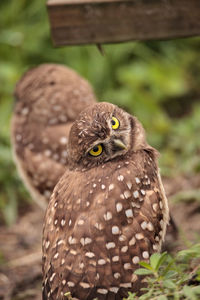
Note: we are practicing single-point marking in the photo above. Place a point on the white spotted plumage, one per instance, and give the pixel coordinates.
(124, 222)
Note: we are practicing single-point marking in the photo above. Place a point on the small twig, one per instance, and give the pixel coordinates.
(101, 50)
(193, 272)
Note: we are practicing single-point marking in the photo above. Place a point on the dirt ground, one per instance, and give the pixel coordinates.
(20, 245)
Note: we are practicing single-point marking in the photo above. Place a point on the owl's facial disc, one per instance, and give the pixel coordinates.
(101, 133)
(115, 143)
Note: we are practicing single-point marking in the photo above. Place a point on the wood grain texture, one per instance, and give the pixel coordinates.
(109, 21)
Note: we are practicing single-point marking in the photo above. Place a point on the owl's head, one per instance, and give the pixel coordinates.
(104, 132)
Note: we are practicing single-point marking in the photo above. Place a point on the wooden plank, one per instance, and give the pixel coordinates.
(109, 21)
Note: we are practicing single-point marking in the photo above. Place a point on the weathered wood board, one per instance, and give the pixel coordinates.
(109, 21)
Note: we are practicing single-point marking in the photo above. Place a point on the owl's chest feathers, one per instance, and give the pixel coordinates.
(116, 191)
(122, 209)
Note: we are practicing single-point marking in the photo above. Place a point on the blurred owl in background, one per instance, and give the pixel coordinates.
(107, 212)
(48, 100)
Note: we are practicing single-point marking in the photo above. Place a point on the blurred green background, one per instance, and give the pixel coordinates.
(158, 81)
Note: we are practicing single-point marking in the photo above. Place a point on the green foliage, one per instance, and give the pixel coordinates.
(11, 189)
(169, 278)
(158, 81)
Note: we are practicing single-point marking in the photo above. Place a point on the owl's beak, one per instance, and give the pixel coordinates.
(119, 144)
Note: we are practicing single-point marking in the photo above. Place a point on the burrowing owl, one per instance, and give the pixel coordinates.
(48, 100)
(107, 212)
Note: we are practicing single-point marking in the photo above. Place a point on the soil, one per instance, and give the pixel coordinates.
(20, 245)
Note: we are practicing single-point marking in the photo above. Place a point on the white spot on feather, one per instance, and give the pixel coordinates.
(150, 226)
(101, 262)
(25, 111)
(52, 277)
(135, 194)
(145, 254)
(155, 207)
(129, 185)
(137, 180)
(132, 242)
(115, 230)
(129, 213)
(111, 187)
(63, 222)
(120, 177)
(124, 249)
(90, 254)
(110, 245)
(102, 291)
(119, 207)
(84, 285)
(135, 260)
(126, 285)
(117, 275)
(107, 216)
(139, 236)
(127, 266)
(114, 289)
(144, 225)
(47, 244)
(127, 194)
(81, 222)
(115, 258)
(71, 240)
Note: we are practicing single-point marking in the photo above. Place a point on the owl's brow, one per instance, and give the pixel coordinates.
(99, 123)
(83, 131)
(102, 115)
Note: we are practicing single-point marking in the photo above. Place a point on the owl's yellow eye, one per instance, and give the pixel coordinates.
(96, 150)
(115, 123)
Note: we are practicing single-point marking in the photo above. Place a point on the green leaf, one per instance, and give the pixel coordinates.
(154, 260)
(68, 295)
(131, 296)
(197, 290)
(193, 251)
(169, 284)
(188, 292)
(146, 265)
(169, 269)
(143, 272)
(170, 274)
(161, 260)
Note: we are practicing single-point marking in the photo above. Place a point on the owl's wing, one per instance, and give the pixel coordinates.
(48, 100)
(40, 174)
(97, 231)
